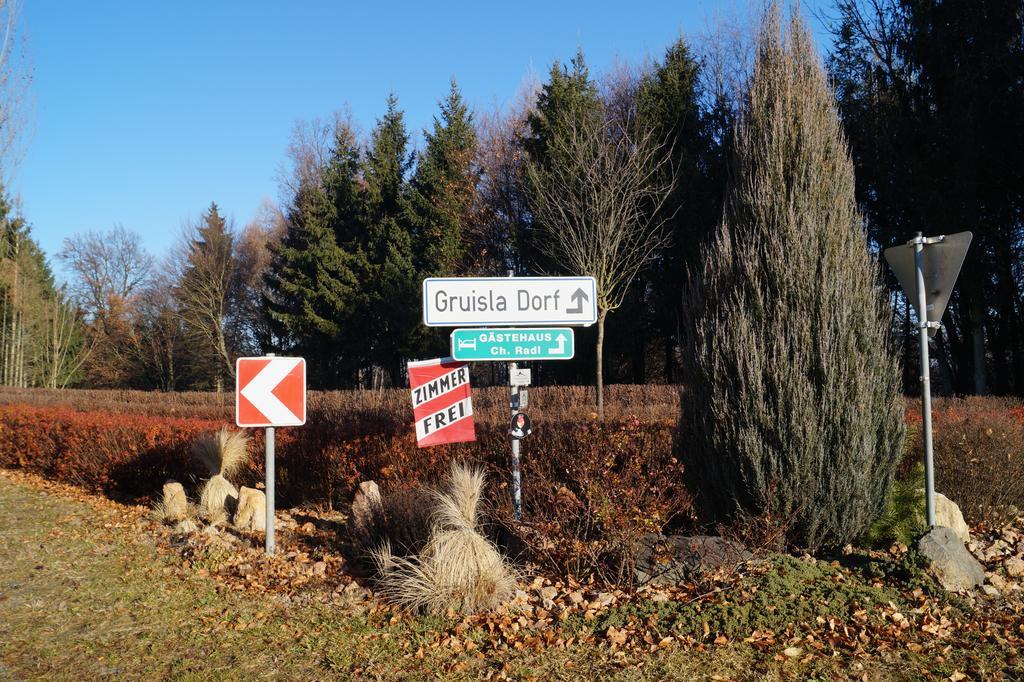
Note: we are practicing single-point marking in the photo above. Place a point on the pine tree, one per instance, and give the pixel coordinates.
(319, 270)
(41, 334)
(393, 287)
(204, 294)
(932, 95)
(444, 187)
(668, 105)
(569, 93)
(791, 407)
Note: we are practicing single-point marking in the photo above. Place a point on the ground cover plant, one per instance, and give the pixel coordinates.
(94, 588)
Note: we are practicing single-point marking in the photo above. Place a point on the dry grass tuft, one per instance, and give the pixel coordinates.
(219, 496)
(223, 453)
(458, 568)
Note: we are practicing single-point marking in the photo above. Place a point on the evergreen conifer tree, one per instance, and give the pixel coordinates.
(319, 271)
(204, 293)
(393, 288)
(791, 408)
(443, 188)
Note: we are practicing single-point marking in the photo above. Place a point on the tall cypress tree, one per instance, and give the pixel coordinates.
(791, 408)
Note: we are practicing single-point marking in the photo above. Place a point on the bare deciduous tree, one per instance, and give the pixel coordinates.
(65, 348)
(250, 326)
(110, 268)
(15, 78)
(501, 213)
(599, 200)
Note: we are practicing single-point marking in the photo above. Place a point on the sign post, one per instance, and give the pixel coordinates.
(922, 275)
(270, 392)
(269, 487)
(502, 302)
(517, 483)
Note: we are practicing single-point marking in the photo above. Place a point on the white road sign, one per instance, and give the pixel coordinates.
(485, 301)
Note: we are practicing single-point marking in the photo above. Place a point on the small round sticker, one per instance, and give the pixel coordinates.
(520, 427)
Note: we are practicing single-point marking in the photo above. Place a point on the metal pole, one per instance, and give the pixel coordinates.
(269, 467)
(270, 489)
(517, 487)
(926, 389)
(517, 484)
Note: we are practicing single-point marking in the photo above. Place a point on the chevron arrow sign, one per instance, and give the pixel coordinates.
(270, 391)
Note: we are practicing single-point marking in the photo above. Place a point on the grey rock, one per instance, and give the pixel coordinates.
(949, 561)
(667, 560)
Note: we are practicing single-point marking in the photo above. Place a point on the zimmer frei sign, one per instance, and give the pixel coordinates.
(441, 402)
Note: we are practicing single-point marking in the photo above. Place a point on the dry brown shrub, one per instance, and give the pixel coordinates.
(593, 494)
(979, 456)
(375, 410)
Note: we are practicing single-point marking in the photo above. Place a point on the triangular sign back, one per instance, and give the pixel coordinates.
(942, 263)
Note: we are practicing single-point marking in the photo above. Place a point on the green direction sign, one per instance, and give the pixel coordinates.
(512, 344)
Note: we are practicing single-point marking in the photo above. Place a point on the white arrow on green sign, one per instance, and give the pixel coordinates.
(513, 344)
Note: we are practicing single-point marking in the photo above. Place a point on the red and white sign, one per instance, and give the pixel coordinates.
(270, 391)
(441, 402)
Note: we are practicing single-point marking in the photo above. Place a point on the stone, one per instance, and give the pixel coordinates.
(990, 591)
(949, 561)
(367, 506)
(1014, 567)
(948, 515)
(674, 559)
(186, 526)
(251, 513)
(548, 593)
(174, 503)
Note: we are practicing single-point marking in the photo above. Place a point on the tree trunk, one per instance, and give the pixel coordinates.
(978, 343)
(600, 364)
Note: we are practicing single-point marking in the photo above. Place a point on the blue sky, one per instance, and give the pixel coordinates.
(145, 112)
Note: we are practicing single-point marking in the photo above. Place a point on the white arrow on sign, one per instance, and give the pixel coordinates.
(259, 391)
(560, 346)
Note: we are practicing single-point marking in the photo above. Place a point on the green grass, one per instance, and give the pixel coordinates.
(79, 601)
